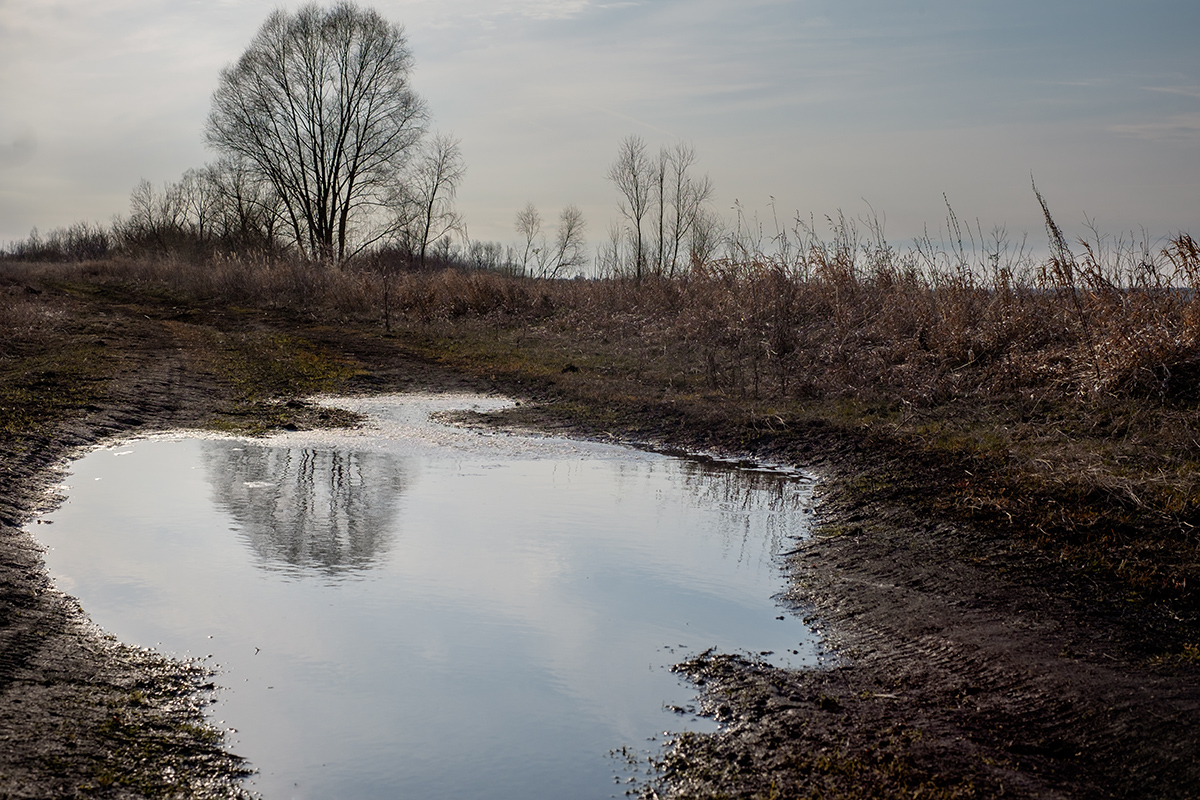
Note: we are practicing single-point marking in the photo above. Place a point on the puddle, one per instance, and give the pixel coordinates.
(417, 609)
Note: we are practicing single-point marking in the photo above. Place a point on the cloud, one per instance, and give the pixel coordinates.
(549, 9)
(1176, 128)
(18, 148)
(1187, 91)
(488, 13)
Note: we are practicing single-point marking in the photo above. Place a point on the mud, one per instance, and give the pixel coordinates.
(965, 664)
(82, 715)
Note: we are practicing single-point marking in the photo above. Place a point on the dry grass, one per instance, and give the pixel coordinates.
(832, 322)
(838, 320)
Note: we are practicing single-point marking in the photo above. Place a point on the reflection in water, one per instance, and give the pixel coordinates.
(734, 488)
(762, 509)
(304, 508)
(525, 600)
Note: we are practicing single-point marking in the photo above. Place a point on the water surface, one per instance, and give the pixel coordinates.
(421, 610)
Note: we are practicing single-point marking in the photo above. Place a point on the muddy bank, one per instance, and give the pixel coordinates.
(951, 681)
(80, 714)
(970, 663)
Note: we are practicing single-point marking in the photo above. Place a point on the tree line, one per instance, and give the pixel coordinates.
(324, 152)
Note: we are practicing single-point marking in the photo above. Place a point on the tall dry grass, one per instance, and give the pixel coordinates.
(840, 318)
(845, 315)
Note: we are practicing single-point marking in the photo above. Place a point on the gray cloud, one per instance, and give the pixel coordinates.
(1175, 128)
(1186, 91)
(18, 148)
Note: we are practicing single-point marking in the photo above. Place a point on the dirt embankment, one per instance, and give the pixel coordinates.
(969, 663)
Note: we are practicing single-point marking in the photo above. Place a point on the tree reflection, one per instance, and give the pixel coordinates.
(321, 510)
(736, 488)
(758, 504)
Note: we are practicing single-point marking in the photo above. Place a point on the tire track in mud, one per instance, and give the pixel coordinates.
(1023, 692)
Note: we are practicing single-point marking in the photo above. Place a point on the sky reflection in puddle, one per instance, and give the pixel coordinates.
(416, 609)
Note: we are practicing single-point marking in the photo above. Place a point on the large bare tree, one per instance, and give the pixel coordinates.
(321, 106)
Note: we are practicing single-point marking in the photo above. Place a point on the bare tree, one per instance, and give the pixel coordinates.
(320, 105)
(529, 225)
(665, 189)
(569, 243)
(491, 256)
(705, 238)
(249, 211)
(427, 212)
(685, 198)
(222, 204)
(157, 219)
(632, 175)
(659, 179)
(198, 199)
(142, 208)
(609, 262)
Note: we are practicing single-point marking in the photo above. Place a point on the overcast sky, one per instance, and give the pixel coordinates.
(820, 104)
